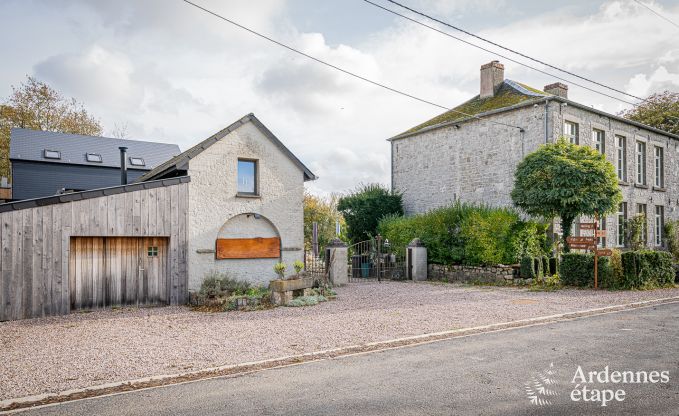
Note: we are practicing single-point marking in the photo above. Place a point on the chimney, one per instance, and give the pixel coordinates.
(558, 89)
(492, 76)
(123, 165)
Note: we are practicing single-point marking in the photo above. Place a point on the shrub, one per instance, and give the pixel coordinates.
(615, 279)
(646, 269)
(539, 271)
(468, 234)
(365, 207)
(635, 234)
(577, 269)
(306, 301)
(671, 234)
(527, 270)
(216, 284)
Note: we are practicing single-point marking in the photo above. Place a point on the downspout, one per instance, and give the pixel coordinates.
(546, 115)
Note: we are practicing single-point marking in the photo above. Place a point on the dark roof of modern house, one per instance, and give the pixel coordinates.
(180, 162)
(30, 145)
(91, 193)
(510, 96)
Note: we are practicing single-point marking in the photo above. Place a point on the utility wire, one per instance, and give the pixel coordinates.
(290, 48)
(657, 13)
(505, 48)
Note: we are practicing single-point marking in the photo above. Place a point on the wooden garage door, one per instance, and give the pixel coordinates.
(108, 271)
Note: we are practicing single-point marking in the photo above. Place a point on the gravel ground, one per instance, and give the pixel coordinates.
(84, 349)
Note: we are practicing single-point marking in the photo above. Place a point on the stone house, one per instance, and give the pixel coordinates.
(470, 153)
(232, 203)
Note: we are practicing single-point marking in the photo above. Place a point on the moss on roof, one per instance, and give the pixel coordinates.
(506, 96)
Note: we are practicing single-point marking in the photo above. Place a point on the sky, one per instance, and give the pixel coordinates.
(172, 73)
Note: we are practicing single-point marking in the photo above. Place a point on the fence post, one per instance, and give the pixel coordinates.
(416, 260)
(338, 270)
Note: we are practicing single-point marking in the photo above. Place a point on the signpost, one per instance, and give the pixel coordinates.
(590, 243)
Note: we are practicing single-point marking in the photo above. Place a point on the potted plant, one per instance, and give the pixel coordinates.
(299, 266)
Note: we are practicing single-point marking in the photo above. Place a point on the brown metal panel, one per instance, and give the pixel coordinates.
(248, 248)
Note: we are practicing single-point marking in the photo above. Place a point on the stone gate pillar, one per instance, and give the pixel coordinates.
(416, 260)
(336, 261)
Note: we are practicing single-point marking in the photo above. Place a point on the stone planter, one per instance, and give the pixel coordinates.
(283, 291)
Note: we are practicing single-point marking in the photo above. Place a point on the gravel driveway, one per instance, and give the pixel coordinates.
(84, 349)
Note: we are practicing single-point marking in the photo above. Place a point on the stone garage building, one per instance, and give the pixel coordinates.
(232, 203)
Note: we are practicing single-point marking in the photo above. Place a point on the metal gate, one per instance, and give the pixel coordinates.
(376, 259)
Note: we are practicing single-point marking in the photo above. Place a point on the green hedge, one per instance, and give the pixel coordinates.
(647, 268)
(577, 269)
(468, 234)
(537, 267)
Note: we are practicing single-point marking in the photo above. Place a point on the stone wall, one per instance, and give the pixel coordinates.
(476, 274)
(216, 211)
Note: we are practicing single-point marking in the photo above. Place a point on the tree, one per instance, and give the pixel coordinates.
(566, 180)
(659, 110)
(322, 211)
(35, 105)
(363, 208)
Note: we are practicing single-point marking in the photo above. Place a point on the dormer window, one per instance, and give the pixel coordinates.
(52, 154)
(137, 161)
(93, 157)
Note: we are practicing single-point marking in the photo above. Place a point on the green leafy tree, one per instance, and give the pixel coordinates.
(659, 110)
(322, 211)
(566, 180)
(35, 105)
(364, 207)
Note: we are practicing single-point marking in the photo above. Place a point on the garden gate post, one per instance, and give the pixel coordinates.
(337, 262)
(416, 260)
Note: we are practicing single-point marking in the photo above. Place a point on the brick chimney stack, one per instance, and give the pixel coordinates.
(492, 77)
(559, 89)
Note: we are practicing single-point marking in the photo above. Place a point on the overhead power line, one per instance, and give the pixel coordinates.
(657, 13)
(384, 86)
(501, 55)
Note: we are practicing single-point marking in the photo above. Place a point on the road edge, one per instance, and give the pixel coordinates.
(11, 405)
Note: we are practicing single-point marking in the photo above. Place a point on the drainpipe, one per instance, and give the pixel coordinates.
(123, 165)
(546, 115)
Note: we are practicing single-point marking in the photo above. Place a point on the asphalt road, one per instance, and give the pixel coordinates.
(481, 374)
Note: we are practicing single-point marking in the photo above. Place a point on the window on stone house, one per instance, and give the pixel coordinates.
(641, 163)
(570, 130)
(247, 177)
(601, 226)
(621, 158)
(659, 167)
(622, 219)
(641, 210)
(659, 224)
(599, 141)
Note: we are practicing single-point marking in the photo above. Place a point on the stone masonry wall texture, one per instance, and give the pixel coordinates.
(213, 202)
(476, 162)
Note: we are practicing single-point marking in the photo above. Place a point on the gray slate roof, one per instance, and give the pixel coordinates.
(181, 161)
(29, 145)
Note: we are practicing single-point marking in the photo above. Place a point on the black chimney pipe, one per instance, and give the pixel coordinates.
(123, 165)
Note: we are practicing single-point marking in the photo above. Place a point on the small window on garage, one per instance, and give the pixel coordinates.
(247, 177)
(137, 161)
(52, 154)
(152, 251)
(93, 157)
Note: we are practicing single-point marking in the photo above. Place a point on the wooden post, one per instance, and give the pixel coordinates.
(596, 256)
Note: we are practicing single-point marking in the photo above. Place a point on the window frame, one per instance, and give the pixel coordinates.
(643, 209)
(573, 137)
(659, 224)
(131, 158)
(601, 226)
(152, 251)
(640, 151)
(599, 139)
(659, 166)
(45, 153)
(255, 163)
(87, 158)
(622, 226)
(621, 157)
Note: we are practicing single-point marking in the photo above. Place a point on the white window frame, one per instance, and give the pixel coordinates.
(141, 162)
(643, 209)
(641, 162)
(659, 224)
(622, 219)
(621, 157)
(571, 131)
(659, 163)
(599, 139)
(51, 154)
